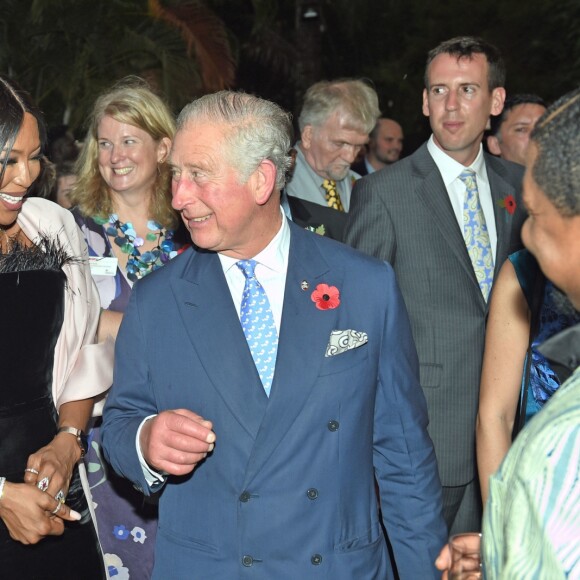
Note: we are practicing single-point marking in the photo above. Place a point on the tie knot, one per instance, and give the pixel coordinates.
(329, 184)
(466, 175)
(247, 267)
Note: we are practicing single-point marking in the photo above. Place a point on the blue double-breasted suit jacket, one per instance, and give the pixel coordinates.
(288, 491)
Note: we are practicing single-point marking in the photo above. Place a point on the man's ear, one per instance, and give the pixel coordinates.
(264, 181)
(306, 137)
(425, 103)
(497, 100)
(493, 145)
(163, 149)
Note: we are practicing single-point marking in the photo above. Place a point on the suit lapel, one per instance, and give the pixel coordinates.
(304, 335)
(206, 307)
(433, 193)
(500, 189)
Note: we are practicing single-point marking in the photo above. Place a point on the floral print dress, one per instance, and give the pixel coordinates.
(126, 519)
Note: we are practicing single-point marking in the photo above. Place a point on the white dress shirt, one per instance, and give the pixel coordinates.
(370, 168)
(450, 171)
(271, 270)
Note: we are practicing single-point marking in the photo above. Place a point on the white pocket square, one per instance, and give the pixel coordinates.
(343, 340)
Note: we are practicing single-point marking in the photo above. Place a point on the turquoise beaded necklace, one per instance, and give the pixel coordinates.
(124, 235)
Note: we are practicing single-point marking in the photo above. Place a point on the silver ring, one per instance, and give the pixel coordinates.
(31, 470)
(60, 496)
(56, 509)
(43, 484)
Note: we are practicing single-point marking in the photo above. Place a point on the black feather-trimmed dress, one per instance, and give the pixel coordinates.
(32, 290)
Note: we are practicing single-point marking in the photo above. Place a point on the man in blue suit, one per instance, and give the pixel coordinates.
(269, 473)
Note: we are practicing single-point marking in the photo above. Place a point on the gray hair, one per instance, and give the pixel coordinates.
(557, 166)
(257, 130)
(353, 98)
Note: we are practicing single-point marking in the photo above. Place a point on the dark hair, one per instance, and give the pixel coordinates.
(512, 101)
(375, 131)
(14, 103)
(62, 169)
(466, 47)
(63, 149)
(557, 166)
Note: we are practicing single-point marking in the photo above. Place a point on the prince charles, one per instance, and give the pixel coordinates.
(266, 377)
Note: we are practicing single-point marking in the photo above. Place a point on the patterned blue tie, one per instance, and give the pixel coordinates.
(258, 324)
(476, 235)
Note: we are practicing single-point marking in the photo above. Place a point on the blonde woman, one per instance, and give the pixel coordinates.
(122, 202)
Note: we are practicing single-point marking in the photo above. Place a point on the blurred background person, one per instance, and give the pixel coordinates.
(62, 145)
(65, 179)
(49, 320)
(122, 204)
(335, 122)
(509, 133)
(384, 147)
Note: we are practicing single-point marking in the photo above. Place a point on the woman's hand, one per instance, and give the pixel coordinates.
(51, 467)
(30, 514)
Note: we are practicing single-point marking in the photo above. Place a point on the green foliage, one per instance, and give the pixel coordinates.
(66, 51)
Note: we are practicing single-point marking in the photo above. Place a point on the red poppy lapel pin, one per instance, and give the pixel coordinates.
(326, 297)
(508, 203)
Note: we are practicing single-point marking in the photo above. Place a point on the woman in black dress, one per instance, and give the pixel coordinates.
(50, 370)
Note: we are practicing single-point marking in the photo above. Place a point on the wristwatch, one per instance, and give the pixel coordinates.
(81, 437)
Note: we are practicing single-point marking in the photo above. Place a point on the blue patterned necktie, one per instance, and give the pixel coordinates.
(258, 324)
(476, 235)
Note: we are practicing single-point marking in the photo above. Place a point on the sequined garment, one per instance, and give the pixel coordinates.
(556, 314)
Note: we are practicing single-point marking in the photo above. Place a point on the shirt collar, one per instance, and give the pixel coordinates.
(274, 256)
(450, 169)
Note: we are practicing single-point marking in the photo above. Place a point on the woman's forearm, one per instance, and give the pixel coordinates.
(109, 323)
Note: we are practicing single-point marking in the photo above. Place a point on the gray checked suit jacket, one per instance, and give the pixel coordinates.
(402, 214)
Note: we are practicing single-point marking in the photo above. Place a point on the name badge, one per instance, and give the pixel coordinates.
(103, 266)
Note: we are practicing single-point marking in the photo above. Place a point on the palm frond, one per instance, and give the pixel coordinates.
(205, 35)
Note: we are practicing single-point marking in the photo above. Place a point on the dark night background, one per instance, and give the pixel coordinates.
(66, 51)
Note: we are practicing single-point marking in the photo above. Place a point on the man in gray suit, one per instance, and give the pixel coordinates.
(446, 218)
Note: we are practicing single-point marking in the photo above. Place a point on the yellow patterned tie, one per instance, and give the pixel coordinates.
(332, 195)
(476, 234)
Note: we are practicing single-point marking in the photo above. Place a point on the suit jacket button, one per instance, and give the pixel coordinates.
(333, 425)
(316, 560)
(247, 561)
(245, 496)
(312, 493)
